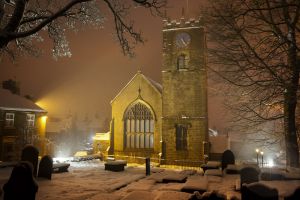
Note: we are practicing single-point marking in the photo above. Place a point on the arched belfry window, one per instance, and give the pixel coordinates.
(181, 61)
(139, 127)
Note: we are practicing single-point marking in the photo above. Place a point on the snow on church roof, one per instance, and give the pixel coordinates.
(155, 84)
(9, 101)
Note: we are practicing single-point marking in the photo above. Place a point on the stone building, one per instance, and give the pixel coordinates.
(21, 122)
(167, 121)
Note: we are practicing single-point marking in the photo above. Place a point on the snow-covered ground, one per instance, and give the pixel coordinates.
(89, 181)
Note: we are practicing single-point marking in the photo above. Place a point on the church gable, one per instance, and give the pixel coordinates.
(136, 83)
(136, 112)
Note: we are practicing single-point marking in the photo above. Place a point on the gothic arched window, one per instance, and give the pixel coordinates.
(139, 127)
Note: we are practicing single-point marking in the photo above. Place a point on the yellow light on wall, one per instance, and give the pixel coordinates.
(41, 130)
(44, 119)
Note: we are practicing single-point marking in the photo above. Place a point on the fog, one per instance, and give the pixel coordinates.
(84, 84)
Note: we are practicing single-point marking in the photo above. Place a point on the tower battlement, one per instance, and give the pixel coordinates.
(173, 24)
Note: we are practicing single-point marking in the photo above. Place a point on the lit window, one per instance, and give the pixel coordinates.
(140, 120)
(142, 126)
(151, 141)
(181, 137)
(151, 126)
(30, 120)
(137, 127)
(9, 119)
(132, 126)
(128, 125)
(147, 126)
(132, 141)
(147, 141)
(128, 139)
(142, 141)
(137, 140)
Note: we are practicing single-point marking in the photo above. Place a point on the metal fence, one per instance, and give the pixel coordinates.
(163, 163)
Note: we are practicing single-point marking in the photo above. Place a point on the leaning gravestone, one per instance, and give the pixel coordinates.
(249, 175)
(31, 154)
(227, 158)
(46, 167)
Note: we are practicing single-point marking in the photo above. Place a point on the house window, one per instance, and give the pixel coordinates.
(181, 62)
(139, 124)
(30, 120)
(9, 119)
(181, 137)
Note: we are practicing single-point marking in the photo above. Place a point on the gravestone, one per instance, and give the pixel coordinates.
(46, 167)
(258, 191)
(227, 158)
(294, 196)
(31, 154)
(249, 175)
(116, 165)
(21, 183)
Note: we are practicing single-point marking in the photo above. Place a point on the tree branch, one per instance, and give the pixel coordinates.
(47, 20)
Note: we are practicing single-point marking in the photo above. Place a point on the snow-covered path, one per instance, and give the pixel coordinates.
(86, 180)
(89, 181)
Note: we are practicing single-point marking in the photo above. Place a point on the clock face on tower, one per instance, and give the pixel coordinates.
(182, 40)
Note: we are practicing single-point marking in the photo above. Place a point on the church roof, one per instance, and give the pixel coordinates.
(157, 86)
(9, 101)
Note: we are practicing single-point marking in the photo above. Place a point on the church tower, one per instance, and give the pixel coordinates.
(184, 97)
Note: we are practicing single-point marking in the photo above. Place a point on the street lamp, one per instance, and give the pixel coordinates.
(262, 158)
(257, 152)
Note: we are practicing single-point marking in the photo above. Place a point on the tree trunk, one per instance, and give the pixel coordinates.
(292, 150)
(290, 103)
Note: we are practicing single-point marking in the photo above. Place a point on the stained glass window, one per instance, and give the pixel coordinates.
(141, 122)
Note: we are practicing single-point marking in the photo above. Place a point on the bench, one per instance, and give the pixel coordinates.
(60, 167)
(115, 165)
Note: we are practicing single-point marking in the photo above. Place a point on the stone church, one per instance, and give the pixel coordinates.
(166, 121)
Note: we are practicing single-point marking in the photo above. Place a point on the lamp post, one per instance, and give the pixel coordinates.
(257, 152)
(262, 158)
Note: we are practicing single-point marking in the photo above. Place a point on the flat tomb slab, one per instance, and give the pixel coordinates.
(116, 165)
(213, 172)
(195, 183)
(60, 167)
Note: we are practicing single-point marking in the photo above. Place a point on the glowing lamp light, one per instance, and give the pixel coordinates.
(262, 153)
(271, 162)
(257, 150)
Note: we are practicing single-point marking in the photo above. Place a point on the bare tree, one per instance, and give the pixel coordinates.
(22, 20)
(255, 48)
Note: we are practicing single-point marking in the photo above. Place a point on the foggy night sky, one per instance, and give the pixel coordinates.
(86, 82)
